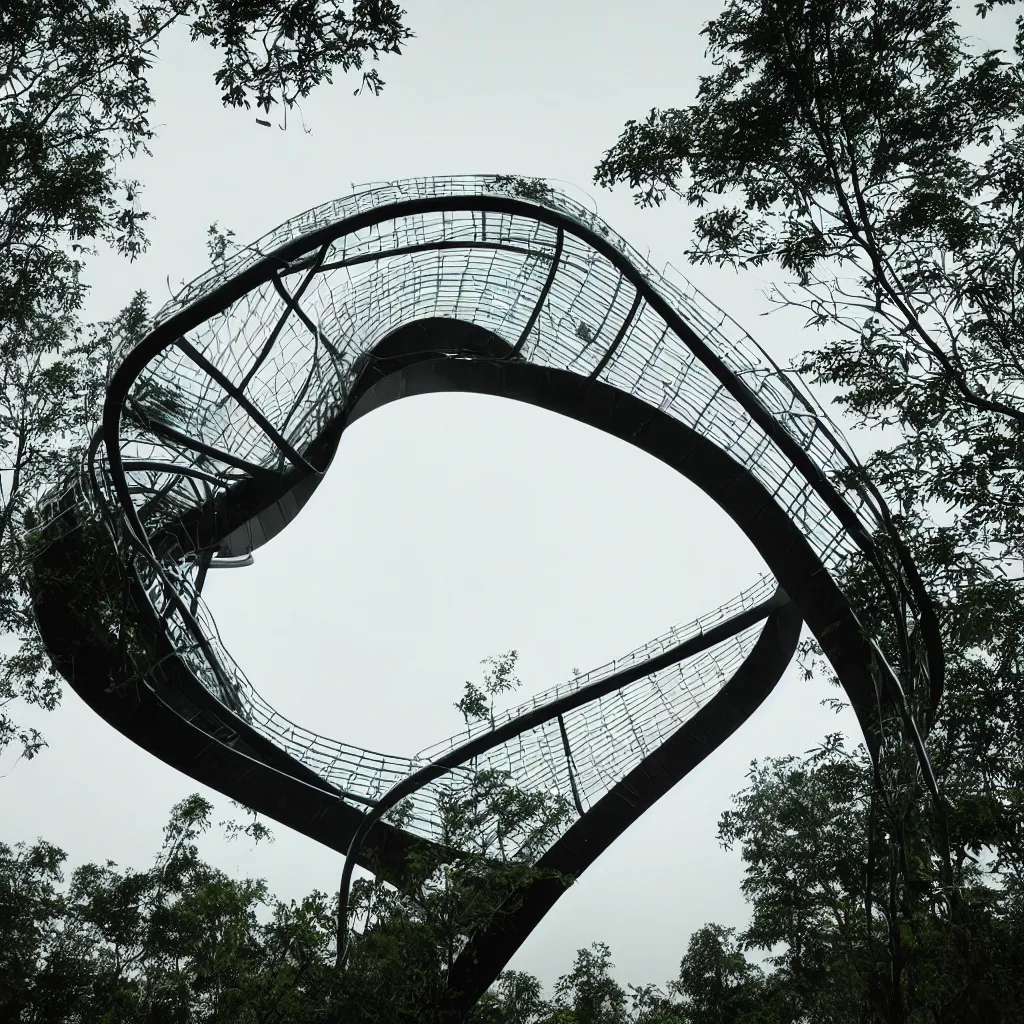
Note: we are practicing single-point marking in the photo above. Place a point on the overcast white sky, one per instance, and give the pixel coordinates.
(449, 527)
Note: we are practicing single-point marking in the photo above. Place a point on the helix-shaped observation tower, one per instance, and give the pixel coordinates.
(219, 424)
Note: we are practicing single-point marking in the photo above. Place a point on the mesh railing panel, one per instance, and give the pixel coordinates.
(297, 360)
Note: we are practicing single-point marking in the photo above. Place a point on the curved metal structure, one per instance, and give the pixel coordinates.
(221, 422)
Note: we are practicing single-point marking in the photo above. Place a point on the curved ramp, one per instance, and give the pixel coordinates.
(219, 425)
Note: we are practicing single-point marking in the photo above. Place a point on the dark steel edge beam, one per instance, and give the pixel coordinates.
(290, 304)
(405, 250)
(709, 467)
(163, 430)
(152, 713)
(251, 411)
(539, 304)
(223, 295)
(585, 694)
(569, 767)
(597, 394)
(156, 466)
(620, 334)
(257, 494)
(856, 650)
(390, 846)
(530, 720)
(487, 953)
(729, 484)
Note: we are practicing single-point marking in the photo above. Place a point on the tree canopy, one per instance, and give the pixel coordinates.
(183, 942)
(871, 151)
(74, 109)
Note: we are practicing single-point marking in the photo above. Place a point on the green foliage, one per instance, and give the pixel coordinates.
(717, 982)
(589, 993)
(873, 153)
(54, 379)
(477, 702)
(180, 941)
(535, 189)
(801, 829)
(416, 932)
(219, 243)
(516, 998)
(74, 108)
(870, 151)
(276, 52)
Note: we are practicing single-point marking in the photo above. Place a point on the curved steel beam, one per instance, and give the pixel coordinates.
(261, 779)
(148, 682)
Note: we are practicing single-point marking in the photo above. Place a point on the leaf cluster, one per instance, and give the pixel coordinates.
(177, 942)
(873, 153)
(75, 107)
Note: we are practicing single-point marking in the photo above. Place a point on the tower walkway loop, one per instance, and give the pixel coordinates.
(220, 423)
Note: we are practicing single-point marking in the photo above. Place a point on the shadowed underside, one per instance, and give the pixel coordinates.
(219, 425)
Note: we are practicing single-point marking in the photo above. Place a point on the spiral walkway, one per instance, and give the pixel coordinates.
(218, 426)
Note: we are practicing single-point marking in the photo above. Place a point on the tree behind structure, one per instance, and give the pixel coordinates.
(873, 153)
(74, 108)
